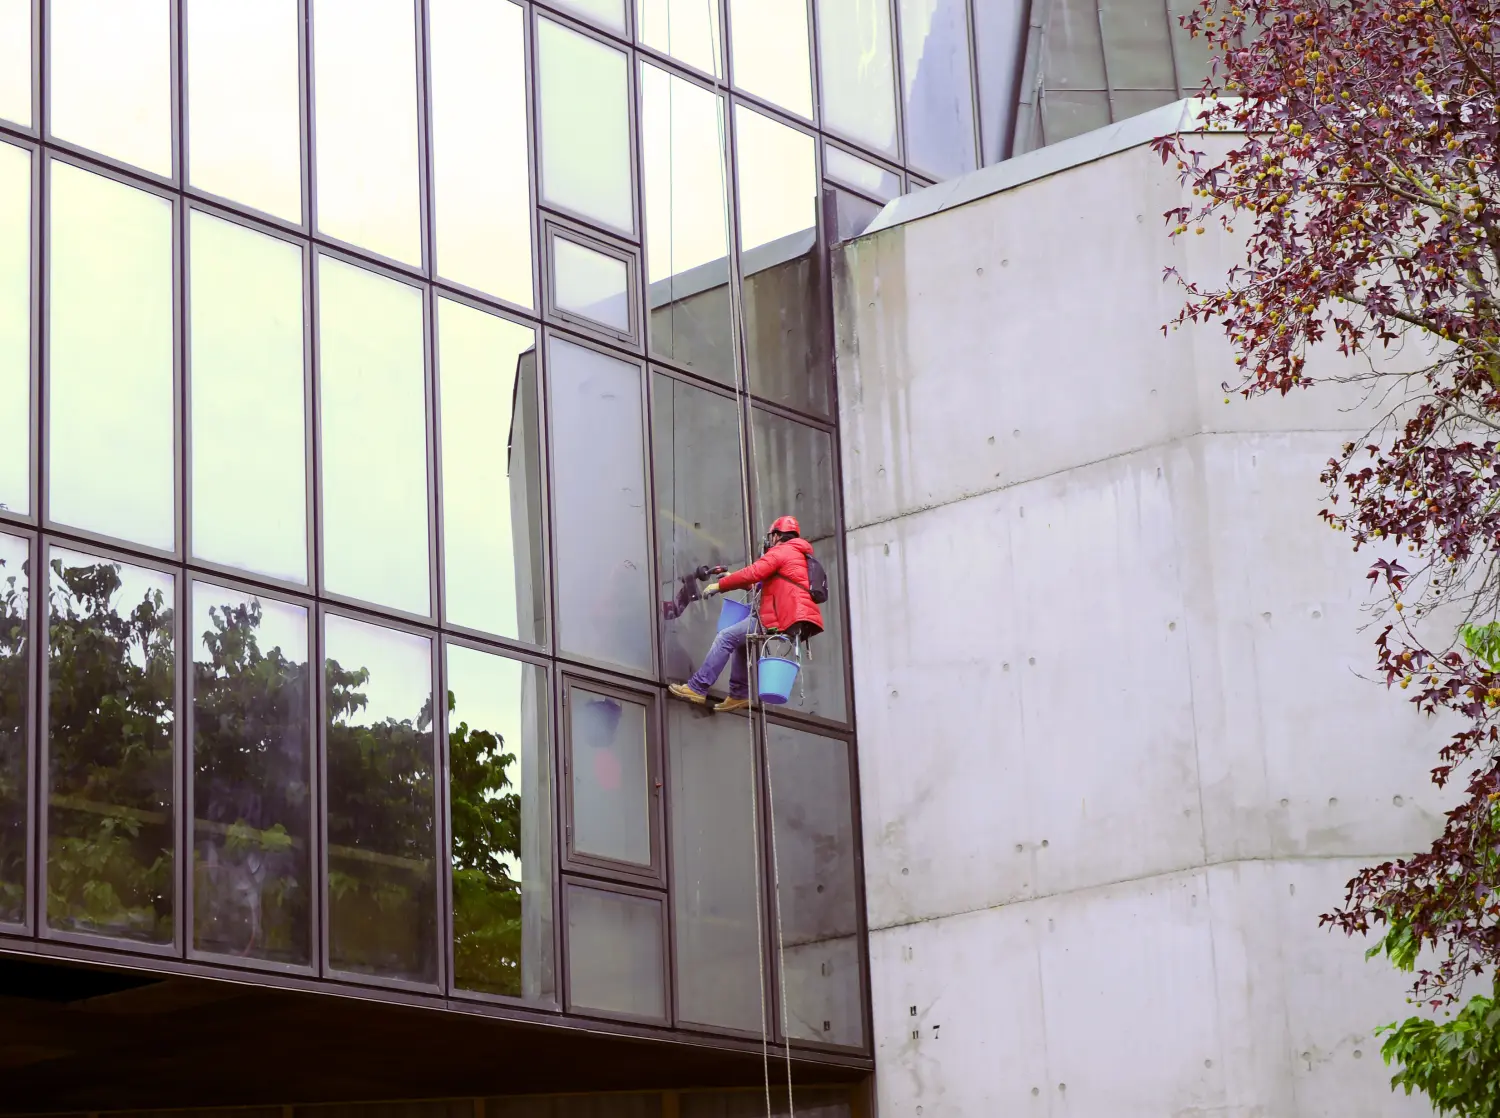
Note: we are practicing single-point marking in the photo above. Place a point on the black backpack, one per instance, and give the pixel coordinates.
(817, 580)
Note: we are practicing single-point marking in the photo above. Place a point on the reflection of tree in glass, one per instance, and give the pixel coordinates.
(13, 689)
(111, 678)
(381, 890)
(250, 792)
(110, 714)
(486, 810)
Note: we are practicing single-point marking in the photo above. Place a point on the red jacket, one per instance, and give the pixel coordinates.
(784, 597)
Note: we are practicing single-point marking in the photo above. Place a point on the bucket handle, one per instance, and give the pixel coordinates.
(784, 639)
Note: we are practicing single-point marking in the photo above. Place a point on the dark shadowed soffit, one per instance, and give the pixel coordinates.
(83, 1039)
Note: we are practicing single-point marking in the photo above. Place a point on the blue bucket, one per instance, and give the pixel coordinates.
(732, 613)
(777, 676)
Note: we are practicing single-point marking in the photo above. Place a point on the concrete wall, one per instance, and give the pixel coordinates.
(1114, 750)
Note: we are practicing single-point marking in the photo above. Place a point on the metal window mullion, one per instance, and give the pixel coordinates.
(1109, 89)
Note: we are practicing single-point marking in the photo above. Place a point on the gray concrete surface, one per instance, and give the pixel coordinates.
(1116, 752)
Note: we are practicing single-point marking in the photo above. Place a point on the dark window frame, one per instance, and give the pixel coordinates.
(556, 228)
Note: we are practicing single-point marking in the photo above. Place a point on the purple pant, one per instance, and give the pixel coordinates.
(728, 647)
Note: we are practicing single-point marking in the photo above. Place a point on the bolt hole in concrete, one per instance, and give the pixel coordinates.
(1005, 263)
(1358, 1055)
(992, 440)
(1333, 801)
(1208, 1063)
(904, 871)
(1397, 801)
(1035, 1091)
(1005, 667)
(1020, 847)
(979, 271)
(1171, 626)
(1044, 844)
(1031, 660)
(1016, 434)
(1286, 803)
(887, 549)
(1317, 613)
(1062, 1086)
(895, 694)
(1263, 617)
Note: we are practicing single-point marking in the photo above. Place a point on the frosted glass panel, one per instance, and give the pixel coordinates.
(111, 415)
(374, 438)
(245, 103)
(768, 42)
(111, 79)
(365, 95)
(15, 61)
(15, 329)
(248, 398)
(583, 89)
(480, 155)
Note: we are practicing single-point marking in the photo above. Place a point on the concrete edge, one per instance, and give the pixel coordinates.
(1179, 116)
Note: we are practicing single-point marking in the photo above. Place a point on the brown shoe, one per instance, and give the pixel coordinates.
(683, 691)
(732, 704)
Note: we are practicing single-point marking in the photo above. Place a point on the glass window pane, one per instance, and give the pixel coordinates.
(715, 871)
(1127, 103)
(1067, 113)
(481, 159)
(15, 328)
(687, 224)
(768, 43)
(244, 111)
(700, 512)
(688, 30)
(500, 804)
(794, 476)
(599, 507)
(1195, 56)
(1137, 45)
(859, 79)
(611, 785)
(374, 437)
(615, 953)
(1074, 51)
(859, 174)
(818, 896)
(252, 777)
(852, 215)
(608, 13)
(112, 407)
(939, 92)
(111, 722)
(15, 703)
(365, 95)
(999, 42)
(248, 399)
(592, 284)
(785, 334)
(492, 474)
(15, 61)
(585, 122)
(382, 899)
(111, 79)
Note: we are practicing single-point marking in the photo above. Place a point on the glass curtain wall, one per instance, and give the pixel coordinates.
(377, 379)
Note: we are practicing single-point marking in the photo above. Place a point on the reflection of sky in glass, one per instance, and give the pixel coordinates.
(585, 126)
(487, 696)
(939, 95)
(400, 666)
(856, 172)
(778, 178)
(282, 625)
(15, 328)
(15, 61)
(111, 418)
(136, 583)
(684, 175)
(365, 82)
(609, 13)
(688, 30)
(480, 154)
(244, 102)
(859, 78)
(768, 43)
(590, 283)
(111, 78)
(374, 437)
(248, 423)
(477, 355)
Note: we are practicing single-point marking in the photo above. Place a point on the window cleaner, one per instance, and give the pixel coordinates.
(790, 584)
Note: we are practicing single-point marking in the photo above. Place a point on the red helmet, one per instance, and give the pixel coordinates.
(787, 525)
